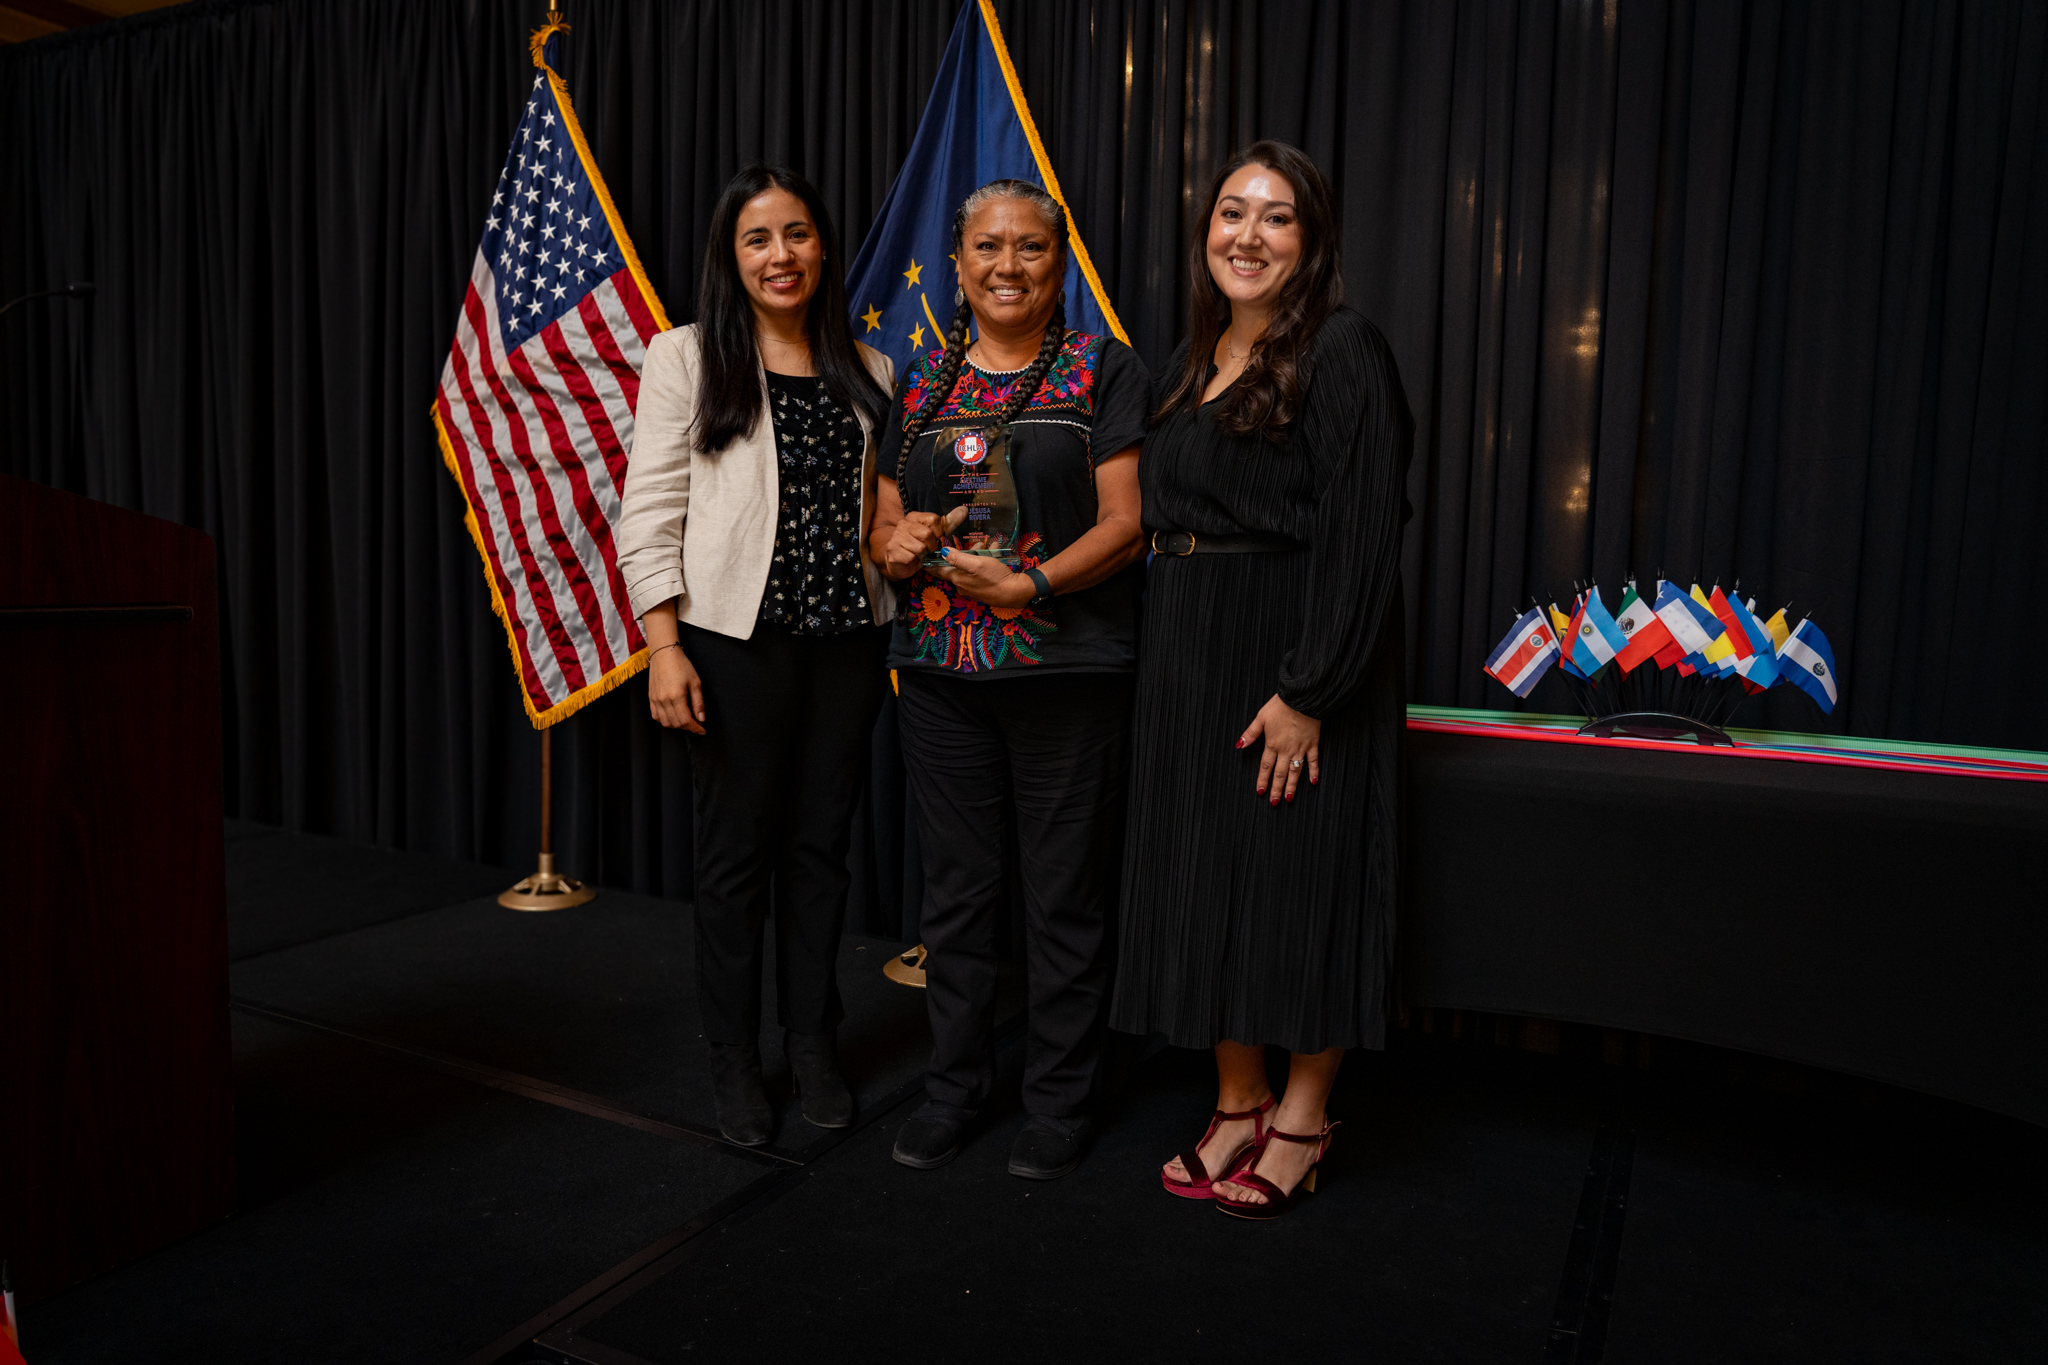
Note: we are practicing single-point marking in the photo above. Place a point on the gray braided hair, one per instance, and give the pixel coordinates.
(948, 373)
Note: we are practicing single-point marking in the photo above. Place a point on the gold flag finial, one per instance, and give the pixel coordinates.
(555, 24)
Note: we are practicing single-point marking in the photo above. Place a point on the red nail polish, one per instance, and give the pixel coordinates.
(1290, 796)
(1240, 744)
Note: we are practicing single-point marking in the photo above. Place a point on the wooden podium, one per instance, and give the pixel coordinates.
(117, 1123)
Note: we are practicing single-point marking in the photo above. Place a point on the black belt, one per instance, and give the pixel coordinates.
(1184, 543)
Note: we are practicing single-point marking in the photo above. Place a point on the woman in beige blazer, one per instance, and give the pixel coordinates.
(747, 505)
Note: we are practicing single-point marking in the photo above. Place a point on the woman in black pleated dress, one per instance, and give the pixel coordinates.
(1263, 854)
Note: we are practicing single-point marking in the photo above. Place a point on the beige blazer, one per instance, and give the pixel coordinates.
(701, 528)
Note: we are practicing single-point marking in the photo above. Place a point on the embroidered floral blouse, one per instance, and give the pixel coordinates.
(814, 579)
(1090, 407)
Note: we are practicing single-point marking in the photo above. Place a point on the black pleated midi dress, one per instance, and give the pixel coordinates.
(1240, 921)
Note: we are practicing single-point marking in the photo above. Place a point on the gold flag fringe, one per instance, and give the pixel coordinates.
(538, 44)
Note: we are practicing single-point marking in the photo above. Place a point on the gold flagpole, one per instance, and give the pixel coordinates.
(547, 889)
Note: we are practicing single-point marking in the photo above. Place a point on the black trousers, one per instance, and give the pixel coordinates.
(788, 723)
(1055, 747)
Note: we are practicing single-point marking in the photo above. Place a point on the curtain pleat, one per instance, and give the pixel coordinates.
(1748, 292)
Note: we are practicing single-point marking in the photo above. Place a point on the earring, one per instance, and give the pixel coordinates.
(959, 296)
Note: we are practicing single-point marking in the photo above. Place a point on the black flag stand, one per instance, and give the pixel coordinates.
(547, 889)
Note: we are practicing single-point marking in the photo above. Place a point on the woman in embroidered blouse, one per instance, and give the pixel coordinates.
(745, 510)
(1014, 687)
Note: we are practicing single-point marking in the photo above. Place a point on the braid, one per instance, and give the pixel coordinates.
(1041, 364)
(942, 382)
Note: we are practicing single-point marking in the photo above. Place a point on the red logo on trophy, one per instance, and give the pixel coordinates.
(971, 447)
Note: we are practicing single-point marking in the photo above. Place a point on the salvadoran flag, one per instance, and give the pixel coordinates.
(1809, 664)
(1524, 654)
(1596, 640)
(1644, 632)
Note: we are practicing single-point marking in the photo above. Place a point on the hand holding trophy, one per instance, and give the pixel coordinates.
(971, 466)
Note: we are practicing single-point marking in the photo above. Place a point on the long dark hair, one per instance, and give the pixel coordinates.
(948, 373)
(1267, 396)
(729, 384)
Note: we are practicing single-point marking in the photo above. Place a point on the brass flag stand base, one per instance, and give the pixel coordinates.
(548, 889)
(906, 969)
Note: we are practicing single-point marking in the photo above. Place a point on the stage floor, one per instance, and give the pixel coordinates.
(468, 1135)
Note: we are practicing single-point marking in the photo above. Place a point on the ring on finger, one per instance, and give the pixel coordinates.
(1295, 764)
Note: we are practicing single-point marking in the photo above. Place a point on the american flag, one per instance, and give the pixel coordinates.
(535, 410)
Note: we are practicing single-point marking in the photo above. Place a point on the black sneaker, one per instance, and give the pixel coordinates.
(1049, 1148)
(931, 1137)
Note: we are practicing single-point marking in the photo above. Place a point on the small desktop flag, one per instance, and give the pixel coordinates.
(1596, 640)
(1809, 664)
(1780, 631)
(1562, 625)
(976, 128)
(10, 1332)
(1524, 654)
(1690, 623)
(1716, 660)
(1646, 634)
(1760, 670)
(535, 410)
(1724, 612)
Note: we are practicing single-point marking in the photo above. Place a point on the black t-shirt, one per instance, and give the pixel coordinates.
(1090, 406)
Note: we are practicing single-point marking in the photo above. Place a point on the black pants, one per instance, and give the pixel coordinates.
(788, 722)
(1054, 746)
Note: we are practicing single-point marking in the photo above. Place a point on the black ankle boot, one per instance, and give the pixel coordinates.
(814, 1063)
(743, 1113)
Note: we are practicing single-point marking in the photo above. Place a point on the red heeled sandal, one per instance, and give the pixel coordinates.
(1201, 1183)
(1277, 1202)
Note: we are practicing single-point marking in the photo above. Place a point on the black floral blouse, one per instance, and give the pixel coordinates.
(814, 580)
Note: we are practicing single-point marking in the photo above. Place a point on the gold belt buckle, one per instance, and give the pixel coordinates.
(1177, 554)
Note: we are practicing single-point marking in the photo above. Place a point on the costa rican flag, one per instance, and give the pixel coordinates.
(1525, 654)
(535, 409)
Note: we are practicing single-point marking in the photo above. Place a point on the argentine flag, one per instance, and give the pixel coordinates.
(1525, 654)
(1597, 638)
(1809, 664)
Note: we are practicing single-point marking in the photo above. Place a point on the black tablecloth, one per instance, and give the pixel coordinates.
(1887, 924)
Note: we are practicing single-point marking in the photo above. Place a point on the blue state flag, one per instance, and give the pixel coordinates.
(975, 129)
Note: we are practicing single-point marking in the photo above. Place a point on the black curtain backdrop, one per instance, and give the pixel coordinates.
(1751, 291)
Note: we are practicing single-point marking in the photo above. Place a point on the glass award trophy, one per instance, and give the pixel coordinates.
(977, 493)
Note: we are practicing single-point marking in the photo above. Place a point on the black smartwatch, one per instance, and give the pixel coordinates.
(1038, 580)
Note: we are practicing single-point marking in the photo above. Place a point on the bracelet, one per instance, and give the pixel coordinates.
(1040, 582)
(672, 644)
